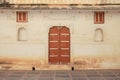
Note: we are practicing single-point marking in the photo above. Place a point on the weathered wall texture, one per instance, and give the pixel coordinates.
(61, 1)
(85, 51)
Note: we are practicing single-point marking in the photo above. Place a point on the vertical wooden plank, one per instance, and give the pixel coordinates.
(54, 45)
(64, 45)
(25, 17)
(96, 15)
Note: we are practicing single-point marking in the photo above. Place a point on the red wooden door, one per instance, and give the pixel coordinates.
(59, 45)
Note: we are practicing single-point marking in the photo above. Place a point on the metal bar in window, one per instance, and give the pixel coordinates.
(24, 17)
(96, 17)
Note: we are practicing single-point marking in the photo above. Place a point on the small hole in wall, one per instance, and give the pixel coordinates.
(33, 68)
(72, 68)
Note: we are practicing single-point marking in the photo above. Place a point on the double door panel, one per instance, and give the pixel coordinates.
(59, 45)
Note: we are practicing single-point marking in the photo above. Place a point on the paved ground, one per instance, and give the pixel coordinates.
(61, 75)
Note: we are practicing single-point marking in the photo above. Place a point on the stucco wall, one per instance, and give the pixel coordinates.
(62, 1)
(85, 52)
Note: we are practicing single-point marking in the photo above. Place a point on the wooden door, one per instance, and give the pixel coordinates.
(59, 45)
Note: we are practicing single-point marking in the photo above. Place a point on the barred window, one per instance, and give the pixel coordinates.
(22, 16)
(99, 17)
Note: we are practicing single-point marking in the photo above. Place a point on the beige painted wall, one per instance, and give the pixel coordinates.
(62, 1)
(85, 52)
